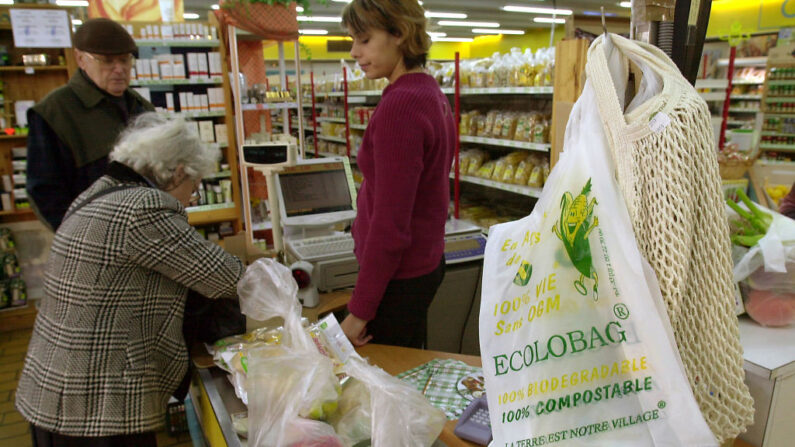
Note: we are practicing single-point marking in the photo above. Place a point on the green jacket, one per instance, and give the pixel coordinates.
(85, 120)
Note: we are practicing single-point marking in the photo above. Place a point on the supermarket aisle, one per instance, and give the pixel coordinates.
(14, 431)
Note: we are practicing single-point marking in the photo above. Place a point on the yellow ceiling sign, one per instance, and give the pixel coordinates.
(753, 16)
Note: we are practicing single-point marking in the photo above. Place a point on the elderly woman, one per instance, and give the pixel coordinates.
(107, 348)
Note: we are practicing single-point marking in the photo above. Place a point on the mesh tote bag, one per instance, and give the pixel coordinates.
(664, 153)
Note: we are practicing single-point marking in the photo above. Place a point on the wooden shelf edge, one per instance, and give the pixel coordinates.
(213, 216)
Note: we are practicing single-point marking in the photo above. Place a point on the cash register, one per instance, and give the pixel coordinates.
(316, 198)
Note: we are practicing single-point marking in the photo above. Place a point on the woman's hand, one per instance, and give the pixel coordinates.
(356, 330)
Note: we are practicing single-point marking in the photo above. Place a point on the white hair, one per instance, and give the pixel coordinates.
(153, 145)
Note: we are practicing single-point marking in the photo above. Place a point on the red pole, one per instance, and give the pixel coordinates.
(345, 96)
(457, 101)
(289, 124)
(314, 116)
(726, 101)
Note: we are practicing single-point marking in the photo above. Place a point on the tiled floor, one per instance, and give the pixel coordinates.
(14, 431)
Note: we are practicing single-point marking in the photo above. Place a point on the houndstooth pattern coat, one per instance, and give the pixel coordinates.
(107, 349)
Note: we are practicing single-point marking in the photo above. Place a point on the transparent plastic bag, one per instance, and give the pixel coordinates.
(400, 415)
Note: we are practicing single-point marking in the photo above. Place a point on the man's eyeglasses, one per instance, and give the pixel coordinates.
(104, 61)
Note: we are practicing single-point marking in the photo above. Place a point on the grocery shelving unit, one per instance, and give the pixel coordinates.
(341, 96)
(205, 40)
(776, 163)
(20, 83)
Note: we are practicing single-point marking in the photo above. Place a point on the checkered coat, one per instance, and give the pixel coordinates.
(107, 349)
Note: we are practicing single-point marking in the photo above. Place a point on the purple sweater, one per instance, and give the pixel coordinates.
(405, 159)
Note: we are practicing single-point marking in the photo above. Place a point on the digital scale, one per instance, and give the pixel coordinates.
(463, 242)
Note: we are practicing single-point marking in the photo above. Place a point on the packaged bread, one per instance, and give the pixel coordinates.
(486, 169)
(508, 173)
(522, 172)
(508, 126)
(476, 159)
(496, 129)
(541, 131)
(489, 124)
(546, 171)
(536, 177)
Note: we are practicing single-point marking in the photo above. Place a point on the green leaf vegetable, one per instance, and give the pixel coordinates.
(753, 223)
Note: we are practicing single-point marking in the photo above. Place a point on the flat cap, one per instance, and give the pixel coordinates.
(104, 36)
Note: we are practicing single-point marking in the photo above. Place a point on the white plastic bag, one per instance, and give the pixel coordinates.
(576, 345)
(292, 381)
(400, 415)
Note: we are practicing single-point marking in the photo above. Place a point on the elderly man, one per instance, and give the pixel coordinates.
(73, 129)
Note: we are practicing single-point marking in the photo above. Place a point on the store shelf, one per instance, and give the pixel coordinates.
(781, 114)
(195, 114)
(712, 83)
(780, 99)
(35, 68)
(748, 82)
(13, 137)
(325, 119)
(528, 191)
(713, 96)
(781, 82)
(500, 91)
(744, 62)
(17, 212)
(542, 147)
(358, 126)
(177, 42)
(193, 81)
(221, 174)
(261, 226)
(738, 122)
(778, 147)
(270, 106)
(329, 94)
(208, 214)
(773, 133)
(739, 110)
(753, 97)
(332, 139)
(365, 93)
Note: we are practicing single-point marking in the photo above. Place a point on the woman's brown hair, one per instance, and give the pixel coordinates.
(402, 18)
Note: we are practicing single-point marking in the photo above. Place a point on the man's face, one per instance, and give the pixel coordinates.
(111, 72)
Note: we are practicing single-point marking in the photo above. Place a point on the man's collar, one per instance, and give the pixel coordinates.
(85, 89)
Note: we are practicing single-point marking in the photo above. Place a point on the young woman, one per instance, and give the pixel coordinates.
(405, 159)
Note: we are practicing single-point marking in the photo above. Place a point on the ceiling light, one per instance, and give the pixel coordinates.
(469, 24)
(625, 4)
(435, 34)
(190, 16)
(332, 19)
(83, 3)
(452, 39)
(548, 20)
(496, 31)
(445, 15)
(534, 10)
(77, 22)
(317, 32)
(299, 9)
(6, 2)
(215, 6)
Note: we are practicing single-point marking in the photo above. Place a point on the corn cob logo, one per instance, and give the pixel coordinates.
(575, 225)
(523, 275)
